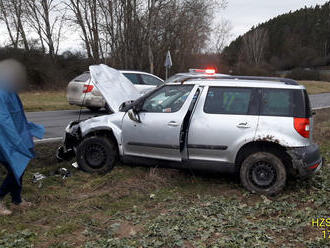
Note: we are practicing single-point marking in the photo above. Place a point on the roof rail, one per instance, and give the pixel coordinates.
(276, 79)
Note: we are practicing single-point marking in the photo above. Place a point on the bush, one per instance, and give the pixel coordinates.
(304, 74)
(46, 72)
(253, 70)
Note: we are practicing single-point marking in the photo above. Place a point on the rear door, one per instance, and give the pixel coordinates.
(224, 119)
(278, 110)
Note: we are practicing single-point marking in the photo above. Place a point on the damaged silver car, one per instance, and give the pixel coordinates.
(260, 127)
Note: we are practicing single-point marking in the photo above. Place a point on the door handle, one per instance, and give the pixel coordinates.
(243, 125)
(173, 124)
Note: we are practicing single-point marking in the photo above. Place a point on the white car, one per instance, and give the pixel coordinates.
(81, 90)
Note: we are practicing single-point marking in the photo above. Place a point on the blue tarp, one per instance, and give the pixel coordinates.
(16, 133)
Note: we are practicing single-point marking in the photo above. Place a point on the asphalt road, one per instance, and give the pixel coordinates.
(320, 101)
(56, 121)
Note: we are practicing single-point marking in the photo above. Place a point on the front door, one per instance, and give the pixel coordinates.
(158, 133)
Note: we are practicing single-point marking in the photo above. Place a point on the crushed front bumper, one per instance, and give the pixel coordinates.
(64, 155)
(71, 140)
(306, 160)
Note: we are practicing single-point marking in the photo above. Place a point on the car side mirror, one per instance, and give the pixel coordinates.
(133, 115)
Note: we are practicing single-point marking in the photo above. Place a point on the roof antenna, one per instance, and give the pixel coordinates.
(86, 90)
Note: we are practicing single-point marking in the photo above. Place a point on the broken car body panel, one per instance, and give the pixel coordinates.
(110, 123)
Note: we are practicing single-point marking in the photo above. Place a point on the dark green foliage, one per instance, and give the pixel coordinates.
(301, 74)
(296, 39)
(46, 72)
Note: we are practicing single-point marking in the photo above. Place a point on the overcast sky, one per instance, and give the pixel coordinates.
(243, 14)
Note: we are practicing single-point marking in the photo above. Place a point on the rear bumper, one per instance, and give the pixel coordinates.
(88, 101)
(306, 160)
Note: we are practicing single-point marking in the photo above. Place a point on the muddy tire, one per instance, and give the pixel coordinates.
(263, 173)
(96, 154)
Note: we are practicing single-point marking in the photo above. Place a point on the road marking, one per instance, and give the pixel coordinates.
(321, 108)
(42, 141)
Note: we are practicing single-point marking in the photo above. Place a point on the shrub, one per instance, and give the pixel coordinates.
(304, 74)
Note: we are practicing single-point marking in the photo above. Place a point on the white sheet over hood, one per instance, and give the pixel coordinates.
(113, 85)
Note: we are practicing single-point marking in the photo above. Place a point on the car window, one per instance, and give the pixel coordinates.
(82, 78)
(167, 99)
(222, 100)
(133, 77)
(150, 80)
(276, 102)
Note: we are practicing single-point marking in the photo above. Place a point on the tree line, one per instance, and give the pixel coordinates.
(130, 34)
(299, 39)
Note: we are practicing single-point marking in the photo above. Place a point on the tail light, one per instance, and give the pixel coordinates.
(302, 126)
(312, 167)
(88, 88)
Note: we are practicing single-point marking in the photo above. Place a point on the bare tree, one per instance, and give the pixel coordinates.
(130, 33)
(46, 18)
(220, 36)
(254, 45)
(12, 14)
(86, 14)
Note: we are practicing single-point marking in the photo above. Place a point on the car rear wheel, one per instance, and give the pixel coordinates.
(96, 154)
(263, 173)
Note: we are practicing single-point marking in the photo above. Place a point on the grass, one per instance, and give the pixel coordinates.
(154, 207)
(45, 101)
(56, 100)
(316, 87)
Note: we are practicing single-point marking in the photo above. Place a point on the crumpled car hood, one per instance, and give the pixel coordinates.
(113, 85)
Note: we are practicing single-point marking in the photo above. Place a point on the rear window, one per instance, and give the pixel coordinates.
(134, 78)
(150, 80)
(222, 100)
(82, 78)
(282, 102)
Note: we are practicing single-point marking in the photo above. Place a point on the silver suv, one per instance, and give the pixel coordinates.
(259, 127)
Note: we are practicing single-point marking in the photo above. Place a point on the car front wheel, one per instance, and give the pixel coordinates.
(263, 173)
(96, 154)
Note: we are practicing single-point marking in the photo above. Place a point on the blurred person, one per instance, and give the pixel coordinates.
(16, 133)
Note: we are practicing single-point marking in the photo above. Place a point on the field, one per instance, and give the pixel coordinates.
(316, 87)
(45, 100)
(156, 207)
(56, 100)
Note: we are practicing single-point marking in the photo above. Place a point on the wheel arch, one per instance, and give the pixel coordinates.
(106, 132)
(263, 146)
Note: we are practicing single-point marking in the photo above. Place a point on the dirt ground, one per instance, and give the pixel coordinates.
(157, 207)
